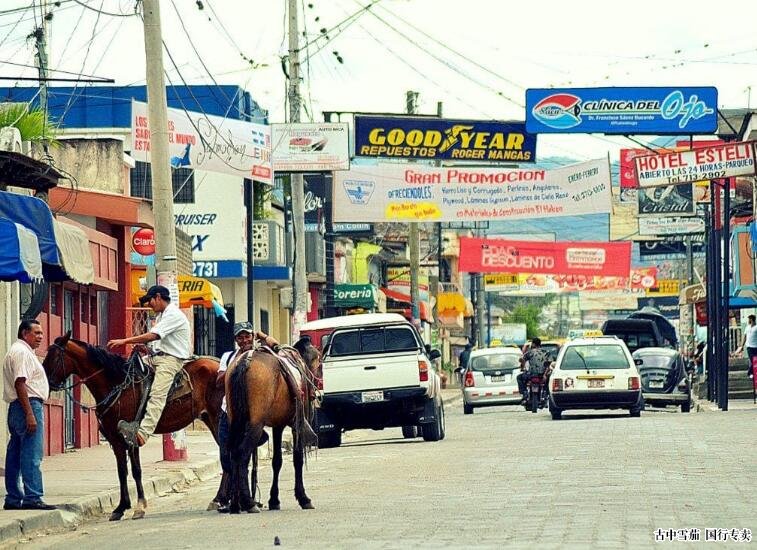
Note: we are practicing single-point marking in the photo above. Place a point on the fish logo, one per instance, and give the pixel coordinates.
(559, 111)
(359, 191)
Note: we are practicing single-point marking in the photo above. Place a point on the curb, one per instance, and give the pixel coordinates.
(452, 398)
(72, 513)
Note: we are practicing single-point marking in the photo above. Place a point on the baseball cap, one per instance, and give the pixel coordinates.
(156, 290)
(244, 326)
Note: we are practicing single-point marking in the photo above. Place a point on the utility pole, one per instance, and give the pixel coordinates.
(40, 35)
(162, 190)
(297, 184)
(411, 105)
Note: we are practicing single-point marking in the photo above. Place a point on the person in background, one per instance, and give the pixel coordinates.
(750, 341)
(25, 388)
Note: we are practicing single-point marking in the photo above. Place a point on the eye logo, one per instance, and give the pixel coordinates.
(558, 111)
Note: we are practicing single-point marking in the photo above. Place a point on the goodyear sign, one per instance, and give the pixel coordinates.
(443, 139)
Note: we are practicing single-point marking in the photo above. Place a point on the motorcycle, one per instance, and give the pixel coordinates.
(536, 392)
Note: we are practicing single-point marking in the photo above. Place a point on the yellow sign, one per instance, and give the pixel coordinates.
(666, 287)
(500, 279)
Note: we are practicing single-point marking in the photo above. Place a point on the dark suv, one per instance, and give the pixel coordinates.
(636, 333)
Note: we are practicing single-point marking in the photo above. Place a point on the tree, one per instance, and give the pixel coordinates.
(32, 123)
(529, 314)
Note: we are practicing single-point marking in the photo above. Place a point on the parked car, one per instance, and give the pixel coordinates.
(636, 333)
(377, 374)
(595, 373)
(490, 378)
(664, 378)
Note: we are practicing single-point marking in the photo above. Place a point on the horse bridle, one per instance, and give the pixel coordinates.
(60, 366)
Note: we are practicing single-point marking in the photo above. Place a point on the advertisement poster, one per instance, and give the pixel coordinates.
(311, 147)
(207, 142)
(670, 226)
(705, 163)
(640, 279)
(673, 200)
(408, 192)
(479, 255)
(655, 111)
(407, 137)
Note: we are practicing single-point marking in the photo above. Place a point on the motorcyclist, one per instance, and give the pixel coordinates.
(538, 362)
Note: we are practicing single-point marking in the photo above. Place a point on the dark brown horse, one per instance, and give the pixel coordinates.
(259, 394)
(117, 392)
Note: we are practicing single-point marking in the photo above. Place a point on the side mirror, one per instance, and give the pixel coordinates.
(638, 362)
(435, 354)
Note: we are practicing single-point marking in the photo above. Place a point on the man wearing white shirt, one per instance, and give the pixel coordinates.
(750, 342)
(170, 341)
(26, 389)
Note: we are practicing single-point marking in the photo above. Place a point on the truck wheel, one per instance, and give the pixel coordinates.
(328, 440)
(433, 431)
(686, 407)
(409, 432)
(443, 421)
(555, 412)
(467, 409)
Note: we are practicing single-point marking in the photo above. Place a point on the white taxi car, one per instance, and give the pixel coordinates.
(595, 373)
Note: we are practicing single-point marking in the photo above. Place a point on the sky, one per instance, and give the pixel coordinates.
(476, 57)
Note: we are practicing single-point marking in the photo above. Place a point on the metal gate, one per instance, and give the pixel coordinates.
(68, 403)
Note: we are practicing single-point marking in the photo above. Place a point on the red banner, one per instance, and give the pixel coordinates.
(557, 258)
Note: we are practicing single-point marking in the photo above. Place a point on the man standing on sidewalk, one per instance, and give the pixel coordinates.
(171, 337)
(25, 387)
(750, 341)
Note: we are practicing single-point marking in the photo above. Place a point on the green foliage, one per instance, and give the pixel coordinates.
(261, 196)
(31, 123)
(530, 314)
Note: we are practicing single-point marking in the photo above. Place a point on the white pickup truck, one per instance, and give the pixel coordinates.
(377, 374)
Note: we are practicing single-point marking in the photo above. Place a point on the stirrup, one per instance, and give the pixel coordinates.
(128, 431)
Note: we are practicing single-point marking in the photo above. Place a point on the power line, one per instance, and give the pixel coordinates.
(100, 11)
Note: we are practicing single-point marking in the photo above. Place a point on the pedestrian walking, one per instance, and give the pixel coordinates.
(750, 341)
(25, 388)
(171, 344)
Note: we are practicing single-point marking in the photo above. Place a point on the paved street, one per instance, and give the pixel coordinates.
(502, 478)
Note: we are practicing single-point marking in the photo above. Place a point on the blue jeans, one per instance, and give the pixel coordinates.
(223, 439)
(24, 455)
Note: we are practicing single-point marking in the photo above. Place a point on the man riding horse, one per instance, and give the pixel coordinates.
(170, 342)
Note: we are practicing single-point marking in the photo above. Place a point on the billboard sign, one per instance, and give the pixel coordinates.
(408, 192)
(479, 255)
(673, 200)
(311, 147)
(207, 142)
(665, 110)
(651, 227)
(706, 163)
(407, 137)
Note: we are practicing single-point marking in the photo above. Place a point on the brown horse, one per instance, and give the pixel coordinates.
(117, 392)
(259, 394)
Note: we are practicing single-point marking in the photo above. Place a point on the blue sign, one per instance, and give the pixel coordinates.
(407, 137)
(222, 269)
(622, 110)
(667, 305)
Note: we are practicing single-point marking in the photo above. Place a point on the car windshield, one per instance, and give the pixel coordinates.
(496, 362)
(639, 340)
(656, 362)
(586, 357)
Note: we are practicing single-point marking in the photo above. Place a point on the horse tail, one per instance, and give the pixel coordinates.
(240, 420)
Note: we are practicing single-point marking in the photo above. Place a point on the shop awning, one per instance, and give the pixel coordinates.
(194, 291)
(424, 309)
(396, 296)
(35, 215)
(19, 253)
(75, 255)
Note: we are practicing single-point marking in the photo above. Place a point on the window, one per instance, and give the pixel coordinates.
(182, 179)
(497, 362)
(373, 340)
(594, 357)
(55, 299)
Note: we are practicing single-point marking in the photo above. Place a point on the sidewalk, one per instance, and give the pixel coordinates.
(702, 405)
(84, 483)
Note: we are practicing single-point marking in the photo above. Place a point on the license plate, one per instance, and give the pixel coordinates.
(372, 396)
(500, 378)
(653, 384)
(597, 383)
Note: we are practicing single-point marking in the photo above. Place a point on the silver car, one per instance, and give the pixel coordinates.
(490, 378)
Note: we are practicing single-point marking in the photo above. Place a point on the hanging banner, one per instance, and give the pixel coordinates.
(673, 200)
(207, 142)
(479, 255)
(705, 163)
(606, 301)
(653, 111)
(670, 226)
(407, 192)
(408, 137)
(311, 147)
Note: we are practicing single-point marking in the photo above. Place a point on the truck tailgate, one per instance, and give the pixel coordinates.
(370, 372)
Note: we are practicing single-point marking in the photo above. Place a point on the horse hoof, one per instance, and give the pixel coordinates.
(254, 510)
(116, 516)
(138, 514)
(213, 505)
(307, 505)
(272, 506)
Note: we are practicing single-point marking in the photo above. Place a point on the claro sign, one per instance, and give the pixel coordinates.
(432, 138)
(558, 258)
